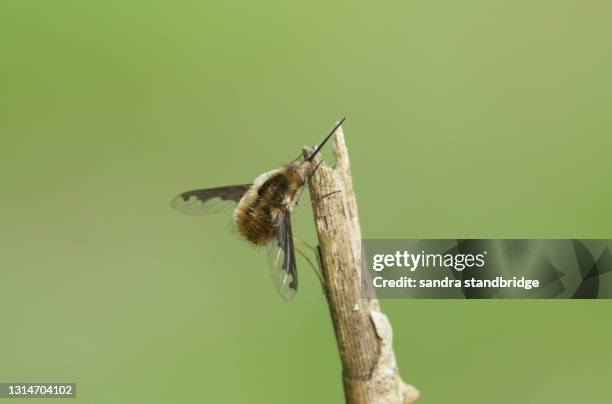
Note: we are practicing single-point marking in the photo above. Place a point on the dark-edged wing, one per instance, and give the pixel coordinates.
(211, 200)
(281, 258)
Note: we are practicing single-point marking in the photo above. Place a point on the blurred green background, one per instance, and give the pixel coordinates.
(465, 119)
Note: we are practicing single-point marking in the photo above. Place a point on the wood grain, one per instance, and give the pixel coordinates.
(363, 332)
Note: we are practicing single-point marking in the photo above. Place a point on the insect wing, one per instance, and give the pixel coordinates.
(281, 259)
(211, 200)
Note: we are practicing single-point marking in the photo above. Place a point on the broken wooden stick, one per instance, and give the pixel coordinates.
(363, 332)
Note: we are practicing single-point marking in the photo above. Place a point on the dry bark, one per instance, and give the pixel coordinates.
(363, 332)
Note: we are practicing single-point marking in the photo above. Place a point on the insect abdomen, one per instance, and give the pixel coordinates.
(258, 228)
(256, 212)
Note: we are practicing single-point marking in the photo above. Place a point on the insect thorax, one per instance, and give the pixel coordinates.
(257, 213)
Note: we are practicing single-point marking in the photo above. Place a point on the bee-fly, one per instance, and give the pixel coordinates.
(263, 212)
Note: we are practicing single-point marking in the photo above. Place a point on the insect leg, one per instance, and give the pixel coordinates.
(307, 181)
(297, 201)
(316, 168)
(312, 202)
(305, 244)
(330, 194)
(317, 269)
(297, 158)
(311, 265)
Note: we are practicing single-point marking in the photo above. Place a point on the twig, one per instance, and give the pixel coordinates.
(363, 332)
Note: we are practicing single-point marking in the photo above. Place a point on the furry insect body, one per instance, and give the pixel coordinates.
(272, 193)
(262, 213)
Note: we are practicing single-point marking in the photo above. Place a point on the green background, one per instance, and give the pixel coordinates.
(465, 119)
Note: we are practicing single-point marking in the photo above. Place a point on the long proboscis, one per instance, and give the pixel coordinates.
(320, 146)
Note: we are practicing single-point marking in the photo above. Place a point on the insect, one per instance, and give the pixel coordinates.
(262, 212)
